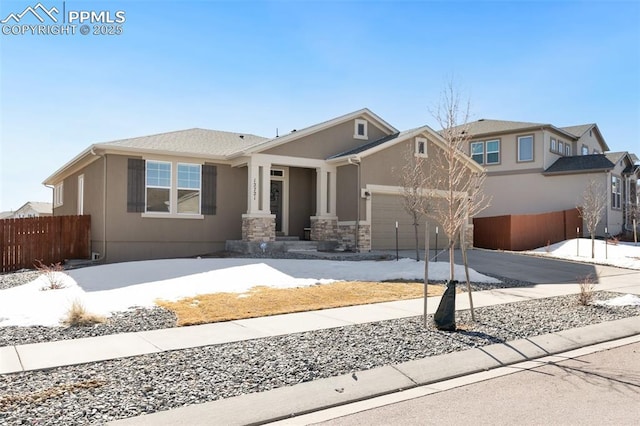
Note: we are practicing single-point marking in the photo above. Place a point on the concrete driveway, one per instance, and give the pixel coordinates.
(534, 269)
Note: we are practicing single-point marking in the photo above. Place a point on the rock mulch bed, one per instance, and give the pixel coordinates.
(98, 392)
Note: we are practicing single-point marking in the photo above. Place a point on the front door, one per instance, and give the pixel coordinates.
(276, 202)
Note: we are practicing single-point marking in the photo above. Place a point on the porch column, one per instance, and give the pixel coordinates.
(258, 224)
(324, 225)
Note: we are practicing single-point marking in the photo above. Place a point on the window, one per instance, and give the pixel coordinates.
(560, 147)
(595, 151)
(567, 149)
(477, 152)
(421, 147)
(554, 145)
(189, 188)
(158, 187)
(486, 152)
(58, 194)
(585, 150)
(360, 131)
(525, 148)
(493, 152)
(615, 192)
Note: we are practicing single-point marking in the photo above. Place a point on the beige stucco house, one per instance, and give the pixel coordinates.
(32, 209)
(538, 168)
(188, 192)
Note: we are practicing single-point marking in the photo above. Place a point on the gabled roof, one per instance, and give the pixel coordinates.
(614, 157)
(580, 164)
(578, 130)
(271, 143)
(383, 143)
(191, 141)
(38, 206)
(4, 215)
(486, 127)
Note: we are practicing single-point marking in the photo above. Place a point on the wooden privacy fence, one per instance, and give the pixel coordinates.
(49, 239)
(525, 231)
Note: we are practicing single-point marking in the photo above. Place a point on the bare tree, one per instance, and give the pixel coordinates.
(594, 201)
(452, 176)
(412, 179)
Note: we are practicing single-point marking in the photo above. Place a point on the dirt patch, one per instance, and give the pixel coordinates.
(264, 301)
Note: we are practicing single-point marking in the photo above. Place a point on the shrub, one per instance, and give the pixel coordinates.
(77, 316)
(54, 274)
(587, 285)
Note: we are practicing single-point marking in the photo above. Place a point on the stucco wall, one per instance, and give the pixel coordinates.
(326, 143)
(132, 236)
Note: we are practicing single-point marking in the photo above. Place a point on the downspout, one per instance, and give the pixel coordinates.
(356, 161)
(103, 256)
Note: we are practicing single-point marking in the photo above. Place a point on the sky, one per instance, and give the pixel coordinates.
(262, 67)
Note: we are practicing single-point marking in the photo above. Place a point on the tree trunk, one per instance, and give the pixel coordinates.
(593, 245)
(426, 271)
(451, 259)
(415, 232)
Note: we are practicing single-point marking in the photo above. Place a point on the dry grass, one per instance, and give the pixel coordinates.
(587, 287)
(264, 301)
(77, 316)
(53, 274)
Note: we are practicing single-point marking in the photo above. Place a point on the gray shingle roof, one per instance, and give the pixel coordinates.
(191, 141)
(578, 130)
(580, 164)
(614, 157)
(483, 126)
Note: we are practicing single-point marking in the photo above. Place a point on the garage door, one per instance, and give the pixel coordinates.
(385, 211)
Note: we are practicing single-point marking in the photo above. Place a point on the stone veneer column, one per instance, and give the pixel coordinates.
(258, 228)
(346, 236)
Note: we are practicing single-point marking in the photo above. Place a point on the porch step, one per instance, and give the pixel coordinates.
(287, 238)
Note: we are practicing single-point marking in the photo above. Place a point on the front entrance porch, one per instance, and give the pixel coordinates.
(290, 184)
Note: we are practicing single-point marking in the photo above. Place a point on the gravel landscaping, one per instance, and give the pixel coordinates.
(98, 392)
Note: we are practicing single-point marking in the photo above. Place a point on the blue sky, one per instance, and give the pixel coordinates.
(253, 67)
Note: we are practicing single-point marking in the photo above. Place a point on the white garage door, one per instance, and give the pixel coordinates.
(385, 211)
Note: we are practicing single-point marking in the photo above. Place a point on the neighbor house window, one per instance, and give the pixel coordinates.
(585, 150)
(567, 149)
(525, 148)
(421, 147)
(493, 152)
(189, 188)
(360, 131)
(615, 192)
(477, 152)
(158, 187)
(554, 144)
(58, 194)
(560, 147)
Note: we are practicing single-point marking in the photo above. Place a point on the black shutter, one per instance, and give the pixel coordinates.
(209, 184)
(135, 185)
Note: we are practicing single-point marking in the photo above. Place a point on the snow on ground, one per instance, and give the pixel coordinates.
(622, 255)
(626, 300)
(116, 287)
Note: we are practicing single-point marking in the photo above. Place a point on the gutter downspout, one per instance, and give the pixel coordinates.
(104, 204)
(356, 161)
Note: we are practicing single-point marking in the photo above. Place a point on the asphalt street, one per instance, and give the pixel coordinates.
(600, 388)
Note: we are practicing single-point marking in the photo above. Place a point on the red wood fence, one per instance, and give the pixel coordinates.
(49, 239)
(525, 231)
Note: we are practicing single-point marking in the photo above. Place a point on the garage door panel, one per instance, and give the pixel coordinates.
(386, 210)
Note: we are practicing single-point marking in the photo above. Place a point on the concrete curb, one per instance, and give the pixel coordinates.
(286, 402)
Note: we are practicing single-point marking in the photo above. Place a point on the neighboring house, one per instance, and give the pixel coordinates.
(186, 193)
(537, 168)
(6, 215)
(32, 209)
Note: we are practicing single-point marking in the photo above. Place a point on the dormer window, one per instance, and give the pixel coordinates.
(361, 129)
(421, 147)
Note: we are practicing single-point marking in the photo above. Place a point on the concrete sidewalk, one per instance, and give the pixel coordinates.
(39, 356)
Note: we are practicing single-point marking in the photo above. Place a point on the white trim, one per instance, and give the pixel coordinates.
(80, 195)
(365, 124)
(58, 194)
(285, 195)
(157, 215)
(147, 186)
(424, 142)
